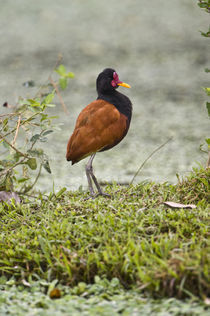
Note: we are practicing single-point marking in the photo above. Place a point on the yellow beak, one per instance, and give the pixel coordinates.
(123, 84)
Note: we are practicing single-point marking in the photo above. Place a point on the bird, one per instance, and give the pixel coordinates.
(101, 125)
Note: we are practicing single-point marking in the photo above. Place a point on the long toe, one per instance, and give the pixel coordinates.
(97, 195)
(104, 194)
(92, 197)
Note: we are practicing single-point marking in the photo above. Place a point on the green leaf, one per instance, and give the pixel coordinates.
(207, 91)
(53, 117)
(60, 192)
(207, 34)
(46, 166)
(22, 180)
(35, 102)
(17, 156)
(70, 75)
(5, 125)
(47, 132)
(8, 162)
(51, 105)
(208, 107)
(63, 83)
(61, 70)
(36, 152)
(32, 163)
(207, 141)
(35, 137)
(43, 139)
(44, 117)
(49, 98)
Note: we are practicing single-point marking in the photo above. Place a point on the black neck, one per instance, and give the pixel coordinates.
(119, 100)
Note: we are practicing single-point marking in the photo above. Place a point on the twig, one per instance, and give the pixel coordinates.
(22, 123)
(59, 95)
(13, 147)
(10, 169)
(144, 162)
(35, 181)
(17, 129)
(58, 61)
(8, 114)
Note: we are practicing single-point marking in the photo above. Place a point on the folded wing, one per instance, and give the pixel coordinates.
(100, 126)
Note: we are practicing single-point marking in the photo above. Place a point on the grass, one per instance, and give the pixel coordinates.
(133, 237)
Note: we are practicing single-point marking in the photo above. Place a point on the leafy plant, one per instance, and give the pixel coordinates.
(21, 133)
(64, 76)
(204, 4)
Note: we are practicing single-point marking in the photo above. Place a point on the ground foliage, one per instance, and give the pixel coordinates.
(133, 237)
(101, 298)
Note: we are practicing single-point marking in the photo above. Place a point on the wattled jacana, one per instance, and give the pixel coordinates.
(101, 125)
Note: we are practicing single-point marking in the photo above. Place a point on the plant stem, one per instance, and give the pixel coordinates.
(144, 162)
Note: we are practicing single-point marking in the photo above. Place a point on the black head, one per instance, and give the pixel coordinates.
(108, 81)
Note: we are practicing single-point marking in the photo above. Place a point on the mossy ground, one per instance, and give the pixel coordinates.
(133, 236)
(102, 298)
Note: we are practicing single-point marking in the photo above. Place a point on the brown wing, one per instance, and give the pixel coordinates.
(99, 126)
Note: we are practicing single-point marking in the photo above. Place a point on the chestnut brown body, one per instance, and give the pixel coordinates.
(100, 126)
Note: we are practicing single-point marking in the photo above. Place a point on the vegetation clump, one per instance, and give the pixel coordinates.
(22, 132)
(133, 237)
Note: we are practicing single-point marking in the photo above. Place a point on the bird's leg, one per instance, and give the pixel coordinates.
(90, 174)
(96, 184)
(88, 169)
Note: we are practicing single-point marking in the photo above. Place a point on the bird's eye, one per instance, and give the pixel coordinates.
(115, 76)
